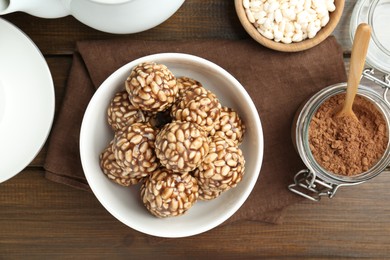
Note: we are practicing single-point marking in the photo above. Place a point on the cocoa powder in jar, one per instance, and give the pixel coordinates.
(343, 145)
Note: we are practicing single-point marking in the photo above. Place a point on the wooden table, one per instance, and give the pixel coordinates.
(41, 219)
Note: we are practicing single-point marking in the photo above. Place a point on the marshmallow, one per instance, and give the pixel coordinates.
(288, 20)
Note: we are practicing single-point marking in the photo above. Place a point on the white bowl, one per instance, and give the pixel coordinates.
(125, 203)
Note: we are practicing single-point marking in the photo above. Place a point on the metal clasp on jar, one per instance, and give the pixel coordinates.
(308, 185)
(369, 74)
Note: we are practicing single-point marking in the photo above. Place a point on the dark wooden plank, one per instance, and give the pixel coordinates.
(40, 218)
(342, 30)
(196, 19)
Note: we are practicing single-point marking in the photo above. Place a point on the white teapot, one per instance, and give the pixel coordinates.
(113, 16)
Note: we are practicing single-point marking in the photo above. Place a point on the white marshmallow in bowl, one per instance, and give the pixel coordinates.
(288, 21)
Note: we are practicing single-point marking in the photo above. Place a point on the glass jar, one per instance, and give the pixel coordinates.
(315, 181)
(376, 13)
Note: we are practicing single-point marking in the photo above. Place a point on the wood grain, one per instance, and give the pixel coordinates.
(44, 219)
(40, 219)
(196, 19)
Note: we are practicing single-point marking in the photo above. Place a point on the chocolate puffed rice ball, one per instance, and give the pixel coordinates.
(122, 113)
(113, 171)
(168, 194)
(181, 146)
(197, 105)
(222, 169)
(207, 194)
(184, 83)
(151, 87)
(229, 126)
(133, 148)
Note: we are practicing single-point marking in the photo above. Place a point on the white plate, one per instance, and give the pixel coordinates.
(125, 203)
(26, 100)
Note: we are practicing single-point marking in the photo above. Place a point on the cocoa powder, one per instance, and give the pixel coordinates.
(342, 145)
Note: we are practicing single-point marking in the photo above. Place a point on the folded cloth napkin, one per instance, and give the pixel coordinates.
(277, 82)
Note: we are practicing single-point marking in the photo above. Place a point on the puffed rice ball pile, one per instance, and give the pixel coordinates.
(174, 138)
(288, 21)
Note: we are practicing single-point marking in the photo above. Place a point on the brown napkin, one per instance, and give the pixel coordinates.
(277, 82)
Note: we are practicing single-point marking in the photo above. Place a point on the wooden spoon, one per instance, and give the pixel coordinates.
(358, 58)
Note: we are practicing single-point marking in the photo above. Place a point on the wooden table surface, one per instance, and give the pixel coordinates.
(41, 219)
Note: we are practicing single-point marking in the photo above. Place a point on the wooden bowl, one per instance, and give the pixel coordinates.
(295, 46)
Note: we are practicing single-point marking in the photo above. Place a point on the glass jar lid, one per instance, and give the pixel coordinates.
(376, 13)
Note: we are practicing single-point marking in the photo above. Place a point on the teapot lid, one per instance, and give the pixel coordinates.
(376, 14)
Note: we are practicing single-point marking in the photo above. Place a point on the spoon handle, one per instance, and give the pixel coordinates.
(358, 58)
